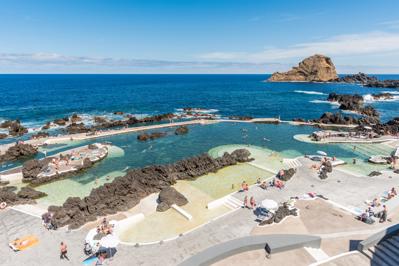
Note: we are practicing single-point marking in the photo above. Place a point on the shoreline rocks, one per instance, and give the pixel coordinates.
(316, 68)
(169, 196)
(26, 195)
(18, 151)
(182, 130)
(15, 128)
(125, 192)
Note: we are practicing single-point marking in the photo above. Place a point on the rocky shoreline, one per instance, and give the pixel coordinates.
(18, 151)
(125, 192)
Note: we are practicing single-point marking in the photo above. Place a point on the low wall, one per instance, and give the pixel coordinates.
(277, 243)
(378, 237)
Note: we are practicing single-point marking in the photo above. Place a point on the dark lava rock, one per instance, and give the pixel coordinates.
(360, 78)
(181, 130)
(18, 151)
(382, 96)
(25, 196)
(154, 135)
(279, 215)
(100, 119)
(301, 120)
(118, 113)
(3, 136)
(30, 193)
(61, 121)
(75, 118)
(125, 192)
(374, 173)
(391, 84)
(169, 196)
(32, 168)
(75, 128)
(288, 174)
(347, 101)
(6, 124)
(39, 135)
(16, 129)
(46, 126)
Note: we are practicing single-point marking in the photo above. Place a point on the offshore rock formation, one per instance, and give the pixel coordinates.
(25, 196)
(354, 103)
(15, 128)
(18, 151)
(169, 196)
(369, 81)
(126, 191)
(339, 119)
(316, 68)
(181, 130)
(382, 96)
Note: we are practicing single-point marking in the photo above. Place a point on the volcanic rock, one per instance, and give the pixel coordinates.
(30, 193)
(3, 135)
(125, 192)
(169, 196)
(360, 78)
(389, 84)
(181, 130)
(75, 118)
(154, 135)
(61, 121)
(316, 68)
(118, 113)
(16, 129)
(75, 128)
(374, 173)
(100, 119)
(18, 151)
(46, 126)
(39, 135)
(279, 215)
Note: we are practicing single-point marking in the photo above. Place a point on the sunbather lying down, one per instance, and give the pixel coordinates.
(23, 243)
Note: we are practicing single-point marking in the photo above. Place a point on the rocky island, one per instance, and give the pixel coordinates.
(316, 68)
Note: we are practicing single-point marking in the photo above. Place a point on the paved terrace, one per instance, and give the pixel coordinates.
(340, 187)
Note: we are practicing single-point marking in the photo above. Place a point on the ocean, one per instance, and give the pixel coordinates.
(36, 99)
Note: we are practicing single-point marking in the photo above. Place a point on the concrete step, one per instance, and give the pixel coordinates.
(375, 259)
(387, 254)
(392, 250)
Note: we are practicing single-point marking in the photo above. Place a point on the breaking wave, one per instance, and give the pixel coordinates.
(310, 92)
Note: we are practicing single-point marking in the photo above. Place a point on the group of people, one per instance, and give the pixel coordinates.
(105, 227)
(369, 213)
(48, 223)
(251, 204)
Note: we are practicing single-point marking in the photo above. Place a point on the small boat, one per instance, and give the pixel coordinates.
(378, 159)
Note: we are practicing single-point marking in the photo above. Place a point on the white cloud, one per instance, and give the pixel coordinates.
(342, 45)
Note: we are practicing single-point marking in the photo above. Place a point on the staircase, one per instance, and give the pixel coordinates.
(232, 203)
(385, 253)
(292, 163)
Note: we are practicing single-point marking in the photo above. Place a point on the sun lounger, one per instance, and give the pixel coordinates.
(23, 243)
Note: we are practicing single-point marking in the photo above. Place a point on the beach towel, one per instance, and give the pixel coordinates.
(23, 243)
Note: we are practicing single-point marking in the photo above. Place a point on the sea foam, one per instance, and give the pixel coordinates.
(310, 92)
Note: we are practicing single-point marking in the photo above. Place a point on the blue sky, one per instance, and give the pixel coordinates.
(208, 36)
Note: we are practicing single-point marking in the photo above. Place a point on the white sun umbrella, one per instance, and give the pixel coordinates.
(109, 241)
(322, 153)
(269, 204)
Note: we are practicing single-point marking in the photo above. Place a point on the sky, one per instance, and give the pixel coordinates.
(197, 36)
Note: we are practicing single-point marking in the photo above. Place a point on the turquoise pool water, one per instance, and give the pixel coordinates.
(200, 139)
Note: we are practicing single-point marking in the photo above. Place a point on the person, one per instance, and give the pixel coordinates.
(375, 203)
(258, 181)
(63, 251)
(392, 193)
(252, 202)
(263, 185)
(354, 161)
(245, 203)
(384, 214)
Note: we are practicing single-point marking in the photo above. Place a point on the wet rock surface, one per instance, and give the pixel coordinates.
(353, 103)
(15, 128)
(125, 192)
(181, 130)
(169, 196)
(18, 151)
(316, 68)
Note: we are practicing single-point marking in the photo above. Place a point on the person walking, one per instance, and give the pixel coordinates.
(63, 251)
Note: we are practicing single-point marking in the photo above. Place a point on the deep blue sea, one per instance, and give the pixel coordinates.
(35, 99)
